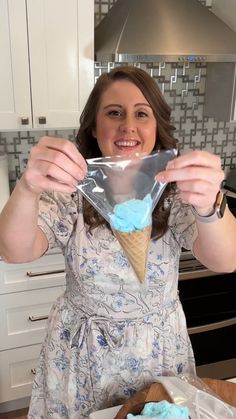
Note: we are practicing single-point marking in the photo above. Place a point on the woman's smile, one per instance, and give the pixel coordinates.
(127, 144)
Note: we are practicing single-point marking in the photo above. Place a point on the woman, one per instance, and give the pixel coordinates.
(108, 335)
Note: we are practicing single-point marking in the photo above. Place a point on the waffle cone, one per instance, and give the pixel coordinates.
(135, 245)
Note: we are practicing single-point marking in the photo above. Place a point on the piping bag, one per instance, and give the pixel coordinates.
(124, 191)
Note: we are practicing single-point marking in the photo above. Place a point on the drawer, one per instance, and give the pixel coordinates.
(48, 271)
(24, 316)
(16, 372)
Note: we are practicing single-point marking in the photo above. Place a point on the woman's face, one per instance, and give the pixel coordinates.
(125, 121)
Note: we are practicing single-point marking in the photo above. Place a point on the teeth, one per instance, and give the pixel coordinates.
(126, 143)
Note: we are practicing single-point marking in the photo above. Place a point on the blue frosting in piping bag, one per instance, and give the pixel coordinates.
(132, 215)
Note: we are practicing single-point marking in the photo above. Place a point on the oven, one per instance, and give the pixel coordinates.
(209, 303)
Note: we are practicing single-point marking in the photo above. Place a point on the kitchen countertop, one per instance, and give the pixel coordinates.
(106, 413)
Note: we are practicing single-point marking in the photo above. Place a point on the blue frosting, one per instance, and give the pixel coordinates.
(161, 410)
(131, 215)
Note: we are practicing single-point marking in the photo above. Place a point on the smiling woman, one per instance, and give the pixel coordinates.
(126, 110)
(125, 121)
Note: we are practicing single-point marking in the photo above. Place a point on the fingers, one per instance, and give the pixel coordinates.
(192, 173)
(37, 183)
(66, 147)
(195, 158)
(46, 169)
(199, 194)
(198, 176)
(54, 164)
(55, 159)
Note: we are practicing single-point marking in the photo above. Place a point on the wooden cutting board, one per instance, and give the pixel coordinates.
(156, 392)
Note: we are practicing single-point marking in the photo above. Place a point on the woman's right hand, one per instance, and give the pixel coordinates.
(55, 164)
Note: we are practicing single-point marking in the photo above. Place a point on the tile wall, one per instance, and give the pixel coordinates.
(183, 86)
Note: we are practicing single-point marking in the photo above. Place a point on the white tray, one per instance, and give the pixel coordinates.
(106, 413)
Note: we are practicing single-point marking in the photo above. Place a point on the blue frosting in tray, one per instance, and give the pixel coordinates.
(161, 410)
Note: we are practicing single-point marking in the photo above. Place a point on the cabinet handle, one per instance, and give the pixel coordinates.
(24, 120)
(56, 271)
(33, 371)
(37, 318)
(42, 120)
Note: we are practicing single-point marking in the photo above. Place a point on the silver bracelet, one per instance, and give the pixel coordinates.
(205, 218)
(217, 213)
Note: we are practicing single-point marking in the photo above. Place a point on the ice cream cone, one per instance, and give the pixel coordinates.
(135, 245)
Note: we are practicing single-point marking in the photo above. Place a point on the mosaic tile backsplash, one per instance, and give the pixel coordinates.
(182, 84)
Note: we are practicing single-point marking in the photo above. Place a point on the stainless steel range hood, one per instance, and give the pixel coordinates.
(163, 30)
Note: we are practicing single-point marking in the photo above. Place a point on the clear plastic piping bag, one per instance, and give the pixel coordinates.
(113, 180)
(202, 402)
(124, 191)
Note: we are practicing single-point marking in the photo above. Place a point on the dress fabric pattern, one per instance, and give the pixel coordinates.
(109, 335)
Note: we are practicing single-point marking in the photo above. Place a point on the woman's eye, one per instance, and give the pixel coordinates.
(142, 114)
(114, 113)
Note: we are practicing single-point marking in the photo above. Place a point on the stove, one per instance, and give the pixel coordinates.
(190, 267)
(209, 303)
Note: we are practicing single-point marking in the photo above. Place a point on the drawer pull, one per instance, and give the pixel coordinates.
(211, 326)
(57, 271)
(33, 371)
(24, 120)
(42, 120)
(37, 318)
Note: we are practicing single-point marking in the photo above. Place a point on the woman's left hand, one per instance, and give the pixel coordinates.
(198, 176)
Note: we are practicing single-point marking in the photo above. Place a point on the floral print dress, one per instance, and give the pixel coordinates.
(108, 335)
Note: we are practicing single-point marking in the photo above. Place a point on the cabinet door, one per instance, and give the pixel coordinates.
(45, 272)
(17, 372)
(24, 316)
(61, 60)
(15, 101)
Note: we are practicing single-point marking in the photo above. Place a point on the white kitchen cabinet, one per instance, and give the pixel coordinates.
(47, 66)
(27, 293)
(24, 316)
(14, 69)
(17, 368)
(45, 272)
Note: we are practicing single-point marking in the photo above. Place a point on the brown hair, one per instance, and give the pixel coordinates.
(87, 143)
